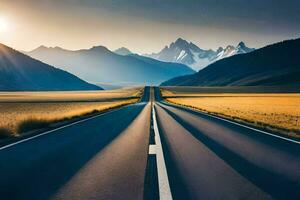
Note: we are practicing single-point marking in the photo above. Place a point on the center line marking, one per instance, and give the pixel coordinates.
(163, 181)
(152, 149)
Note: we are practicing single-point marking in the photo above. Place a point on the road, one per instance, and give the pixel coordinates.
(147, 150)
(101, 158)
(211, 158)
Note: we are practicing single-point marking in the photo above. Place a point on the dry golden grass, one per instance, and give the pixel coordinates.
(190, 90)
(167, 93)
(24, 111)
(80, 96)
(171, 94)
(274, 111)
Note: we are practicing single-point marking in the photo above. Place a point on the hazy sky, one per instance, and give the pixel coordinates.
(146, 25)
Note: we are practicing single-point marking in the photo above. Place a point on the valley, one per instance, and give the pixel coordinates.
(100, 66)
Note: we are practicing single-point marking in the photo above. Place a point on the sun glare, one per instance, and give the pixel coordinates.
(3, 24)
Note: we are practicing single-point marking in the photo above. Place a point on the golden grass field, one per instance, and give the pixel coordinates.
(272, 111)
(78, 96)
(23, 111)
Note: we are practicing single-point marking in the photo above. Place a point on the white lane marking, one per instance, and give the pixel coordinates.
(232, 122)
(163, 181)
(152, 149)
(56, 129)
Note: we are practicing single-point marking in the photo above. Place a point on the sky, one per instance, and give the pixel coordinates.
(146, 26)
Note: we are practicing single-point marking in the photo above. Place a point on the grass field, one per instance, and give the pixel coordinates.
(80, 96)
(277, 112)
(188, 91)
(25, 111)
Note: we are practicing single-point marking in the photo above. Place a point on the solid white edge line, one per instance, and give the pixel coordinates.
(232, 122)
(163, 181)
(56, 129)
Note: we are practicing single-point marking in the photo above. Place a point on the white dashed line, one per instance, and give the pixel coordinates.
(152, 149)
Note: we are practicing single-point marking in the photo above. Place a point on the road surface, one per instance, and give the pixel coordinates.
(211, 158)
(151, 150)
(101, 158)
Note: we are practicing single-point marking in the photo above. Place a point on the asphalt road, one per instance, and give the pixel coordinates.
(209, 158)
(101, 158)
(196, 156)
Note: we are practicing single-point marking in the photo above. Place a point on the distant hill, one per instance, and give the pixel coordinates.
(101, 66)
(19, 72)
(274, 65)
(123, 51)
(182, 51)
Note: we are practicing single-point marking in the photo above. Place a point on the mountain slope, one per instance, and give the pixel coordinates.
(19, 72)
(277, 64)
(99, 65)
(190, 54)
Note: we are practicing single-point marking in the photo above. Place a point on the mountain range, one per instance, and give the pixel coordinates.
(182, 51)
(99, 65)
(274, 65)
(19, 72)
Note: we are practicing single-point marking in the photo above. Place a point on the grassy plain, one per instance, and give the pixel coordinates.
(25, 111)
(275, 111)
(78, 96)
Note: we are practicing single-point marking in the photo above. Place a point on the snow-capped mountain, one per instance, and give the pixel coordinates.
(273, 65)
(190, 54)
(231, 50)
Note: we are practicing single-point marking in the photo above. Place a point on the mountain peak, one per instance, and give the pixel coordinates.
(220, 49)
(58, 48)
(188, 53)
(242, 44)
(268, 66)
(100, 48)
(242, 48)
(123, 51)
(181, 41)
(100, 65)
(229, 47)
(42, 47)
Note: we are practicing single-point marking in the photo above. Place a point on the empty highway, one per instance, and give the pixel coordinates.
(212, 158)
(151, 150)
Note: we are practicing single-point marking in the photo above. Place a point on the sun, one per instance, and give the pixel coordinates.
(3, 24)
